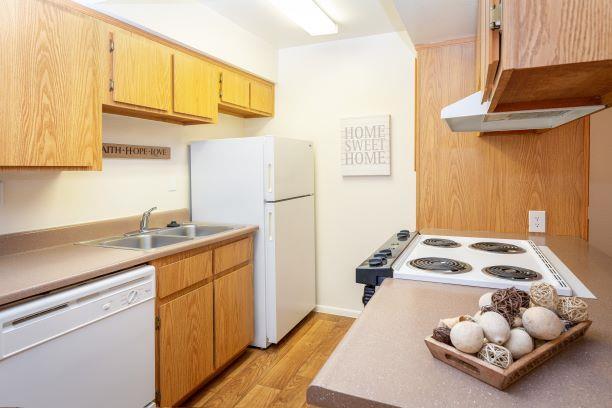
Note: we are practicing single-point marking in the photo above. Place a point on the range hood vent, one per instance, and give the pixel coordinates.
(470, 115)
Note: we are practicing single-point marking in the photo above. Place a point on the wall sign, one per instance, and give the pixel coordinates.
(124, 151)
(366, 146)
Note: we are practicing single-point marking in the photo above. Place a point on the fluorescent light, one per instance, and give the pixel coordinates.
(308, 15)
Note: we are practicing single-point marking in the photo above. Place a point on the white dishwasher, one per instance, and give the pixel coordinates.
(88, 346)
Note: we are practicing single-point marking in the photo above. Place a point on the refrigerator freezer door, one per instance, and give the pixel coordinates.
(288, 168)
(290, 264)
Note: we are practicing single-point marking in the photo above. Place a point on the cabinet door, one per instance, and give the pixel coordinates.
(50, 110)
(185, 343)
(234, 89)
(262, 97)
(141, 72)
(195, 88)
(233, 313)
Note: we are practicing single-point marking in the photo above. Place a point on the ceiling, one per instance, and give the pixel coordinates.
(429, 21)
(426, 21)
(355, 18)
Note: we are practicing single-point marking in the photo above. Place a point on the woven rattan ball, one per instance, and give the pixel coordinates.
(496, 355)
(442, 334)
(509, 301)
(545, 295)
(572, 309)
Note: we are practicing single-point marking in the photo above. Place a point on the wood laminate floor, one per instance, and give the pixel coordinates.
(279, 375)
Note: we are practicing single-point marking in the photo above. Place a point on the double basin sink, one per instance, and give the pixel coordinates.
(161, 237)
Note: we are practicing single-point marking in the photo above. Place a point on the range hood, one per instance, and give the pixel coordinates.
(470, 115)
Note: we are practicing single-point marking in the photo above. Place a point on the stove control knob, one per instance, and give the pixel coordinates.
(387, 252)
(402, 236)
(380, 255)
(375, 261)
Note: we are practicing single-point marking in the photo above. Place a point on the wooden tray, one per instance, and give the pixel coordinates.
(498, 377)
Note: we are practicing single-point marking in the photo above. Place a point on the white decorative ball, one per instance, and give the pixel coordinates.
(519, 343)
(495, 327)
(485, 300)
(542, 323)
(467, 337)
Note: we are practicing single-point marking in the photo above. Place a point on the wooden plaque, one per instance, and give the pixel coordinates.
(125, 151)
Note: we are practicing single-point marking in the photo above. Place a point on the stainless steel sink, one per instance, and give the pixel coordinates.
(142, 241)
(193, 231)
(160, 238)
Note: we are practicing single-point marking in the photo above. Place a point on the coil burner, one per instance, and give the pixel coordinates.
(512, 273)
(441, 265)
(498, 247)
(441, 243)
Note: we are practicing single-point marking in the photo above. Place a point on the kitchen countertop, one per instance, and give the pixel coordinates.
(31, 273)
(384, 362)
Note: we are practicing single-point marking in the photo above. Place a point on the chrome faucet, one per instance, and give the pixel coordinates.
(144, 222)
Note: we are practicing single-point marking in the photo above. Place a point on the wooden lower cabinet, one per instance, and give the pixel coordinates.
(233, 313)
(204, 315)
(185, 344)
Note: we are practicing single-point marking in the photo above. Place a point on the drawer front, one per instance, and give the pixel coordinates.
(233, 254)
(183, 273)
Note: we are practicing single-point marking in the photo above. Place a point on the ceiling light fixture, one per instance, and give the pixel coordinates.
(308, 15)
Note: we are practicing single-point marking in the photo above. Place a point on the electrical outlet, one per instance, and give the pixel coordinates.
(537, 221)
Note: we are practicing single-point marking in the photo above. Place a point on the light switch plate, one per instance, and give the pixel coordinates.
(537, 221)
(172, 184)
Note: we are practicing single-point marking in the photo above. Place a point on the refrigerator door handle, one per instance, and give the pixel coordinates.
(270, 234)
(269, 177)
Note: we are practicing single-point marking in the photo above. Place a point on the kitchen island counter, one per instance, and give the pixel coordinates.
(384, 362)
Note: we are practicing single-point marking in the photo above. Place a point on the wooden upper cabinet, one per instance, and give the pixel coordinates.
(553, 53)
(233, 313)
(235, 89)
(262, 97)
(195, 87)
(185, 344)
(141, 72)
(50, 110)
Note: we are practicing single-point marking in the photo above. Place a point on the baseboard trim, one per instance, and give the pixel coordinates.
(340, 311)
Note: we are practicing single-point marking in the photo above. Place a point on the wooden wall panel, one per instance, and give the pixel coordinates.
(489, 183)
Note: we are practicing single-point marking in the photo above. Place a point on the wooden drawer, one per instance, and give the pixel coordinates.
(233, 254)
(182, 273)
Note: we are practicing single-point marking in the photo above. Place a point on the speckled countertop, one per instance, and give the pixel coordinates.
(31, 273)
(383, 361)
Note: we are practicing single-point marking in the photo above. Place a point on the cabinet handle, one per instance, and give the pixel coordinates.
(270, 235)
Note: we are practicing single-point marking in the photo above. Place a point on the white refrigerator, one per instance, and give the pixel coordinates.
(266, 181)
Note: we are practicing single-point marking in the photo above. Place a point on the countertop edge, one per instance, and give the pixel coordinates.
(140, 257)
(325, 398)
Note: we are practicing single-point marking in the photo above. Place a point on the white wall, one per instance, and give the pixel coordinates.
(44, 199)
(600, 183)
(317, 86)
(199, 27)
